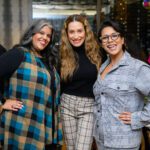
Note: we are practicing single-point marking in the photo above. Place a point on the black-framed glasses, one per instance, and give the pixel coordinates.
(113, 36)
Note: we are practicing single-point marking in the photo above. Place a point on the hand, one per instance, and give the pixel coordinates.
(13, 105)
(125, 117)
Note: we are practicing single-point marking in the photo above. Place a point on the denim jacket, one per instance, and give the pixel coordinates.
(124, 88)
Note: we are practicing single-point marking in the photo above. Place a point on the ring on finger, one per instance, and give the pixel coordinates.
(13, 106)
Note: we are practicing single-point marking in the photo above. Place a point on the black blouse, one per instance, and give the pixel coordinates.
(81, 83)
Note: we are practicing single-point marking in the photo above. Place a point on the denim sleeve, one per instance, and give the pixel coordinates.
(142, 84)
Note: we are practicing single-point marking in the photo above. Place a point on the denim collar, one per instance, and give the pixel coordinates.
(123, 61)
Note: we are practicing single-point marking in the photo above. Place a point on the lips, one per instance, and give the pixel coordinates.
(43, 43)
(112, 47)
(76, 41)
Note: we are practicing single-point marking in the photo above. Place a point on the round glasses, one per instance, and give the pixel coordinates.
(113, 36)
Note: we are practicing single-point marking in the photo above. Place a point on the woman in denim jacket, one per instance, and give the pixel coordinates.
(121, 87)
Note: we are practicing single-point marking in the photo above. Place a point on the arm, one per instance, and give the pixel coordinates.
(141, 118)
(9, 62)
(2, 49)
(142, 83)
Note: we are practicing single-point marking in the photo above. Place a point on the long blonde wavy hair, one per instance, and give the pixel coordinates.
(68, 57)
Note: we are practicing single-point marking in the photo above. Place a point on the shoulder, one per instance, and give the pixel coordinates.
(134, 62)
(16, 50)
(140, 67)
(140, 63)
(2, 49)
(13, 52)
(135, 65)
(12, 56)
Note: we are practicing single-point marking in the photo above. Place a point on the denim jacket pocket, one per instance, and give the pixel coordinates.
(119, 97)
(119, 87)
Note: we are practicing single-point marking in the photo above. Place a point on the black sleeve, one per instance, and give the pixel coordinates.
(9, 61)
(2, 49)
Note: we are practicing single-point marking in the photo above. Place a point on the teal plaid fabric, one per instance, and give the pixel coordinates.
(31, 127)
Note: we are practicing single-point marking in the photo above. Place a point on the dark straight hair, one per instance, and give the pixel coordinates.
(117, 26)
(132, 44)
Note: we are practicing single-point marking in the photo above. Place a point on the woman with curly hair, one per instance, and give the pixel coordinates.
(80, 60)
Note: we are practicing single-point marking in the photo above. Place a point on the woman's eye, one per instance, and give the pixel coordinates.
(105, 38)
(41, 33)
(80, 31)
(49, 36)
(114, 36)
(71, 32)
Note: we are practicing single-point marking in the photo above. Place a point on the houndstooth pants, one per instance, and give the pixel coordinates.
(77, 121)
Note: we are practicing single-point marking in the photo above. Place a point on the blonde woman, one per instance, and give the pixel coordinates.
(80, 61)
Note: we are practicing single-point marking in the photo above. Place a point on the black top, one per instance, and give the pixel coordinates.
(81, 84)
(2, 50)
(9, 62)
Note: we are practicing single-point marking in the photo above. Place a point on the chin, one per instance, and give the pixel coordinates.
(77, 45)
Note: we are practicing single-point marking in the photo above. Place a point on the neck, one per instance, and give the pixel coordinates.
(78, 48)
(36, 53)
(115, 59)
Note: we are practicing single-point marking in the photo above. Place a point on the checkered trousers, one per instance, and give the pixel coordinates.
(77, 120)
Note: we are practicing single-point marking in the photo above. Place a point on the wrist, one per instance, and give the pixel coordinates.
(1, 108)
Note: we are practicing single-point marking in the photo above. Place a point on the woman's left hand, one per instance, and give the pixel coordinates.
(125, 117)
(12, 104)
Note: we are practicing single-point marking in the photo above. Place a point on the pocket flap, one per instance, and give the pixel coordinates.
(120, 87)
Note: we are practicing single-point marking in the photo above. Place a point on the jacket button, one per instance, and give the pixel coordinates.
(118, 87)
(98, 111)
(102, 93)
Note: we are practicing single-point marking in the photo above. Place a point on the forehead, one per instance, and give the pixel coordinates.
(46, 29)
(75, 25)
(108, 30)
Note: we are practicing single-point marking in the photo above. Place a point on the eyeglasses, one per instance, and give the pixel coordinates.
(113, 36)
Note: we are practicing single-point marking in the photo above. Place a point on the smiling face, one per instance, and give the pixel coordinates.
(41, 39)
(76, 33)
(112, 42)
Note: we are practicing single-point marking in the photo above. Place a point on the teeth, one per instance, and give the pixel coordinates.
(43, 42)
(111, 46)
